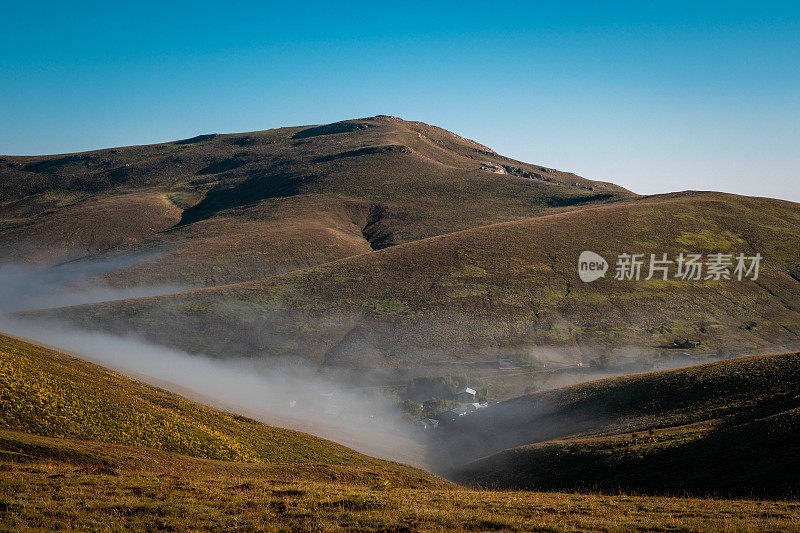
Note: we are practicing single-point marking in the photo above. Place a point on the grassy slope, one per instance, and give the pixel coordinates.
(292, 481)
(725, 428)
(55, 395)
(504, 288)
(256, 204)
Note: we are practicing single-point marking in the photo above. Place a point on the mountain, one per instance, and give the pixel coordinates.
(380, 250)
(217, 209)
(380, 244)
(726, 428)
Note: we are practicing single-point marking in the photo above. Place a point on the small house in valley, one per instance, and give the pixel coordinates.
(427, 423)
(466, 395)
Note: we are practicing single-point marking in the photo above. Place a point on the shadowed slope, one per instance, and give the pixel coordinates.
(724, 428)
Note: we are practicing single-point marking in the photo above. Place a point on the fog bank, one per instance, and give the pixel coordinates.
(294, 398)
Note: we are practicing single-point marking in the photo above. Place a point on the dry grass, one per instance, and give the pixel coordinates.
(257, 189)
(292, 482)
(141, 489)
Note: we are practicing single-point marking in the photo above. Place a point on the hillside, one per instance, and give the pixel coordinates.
(217, 209)
(54, 395)
(122, 456)
(380, 243)
(727, 428)
(508, 290)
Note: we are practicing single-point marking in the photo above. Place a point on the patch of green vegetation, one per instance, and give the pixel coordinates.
(787, 249)
(705, 239)
(550, 295)
(469, 289)
(61, 199)
(558, 333)
(386, 307)
(693, 219)
(195, 307)
(469, 271)
(660, 283)
(514, 296)
(587, 295)
(173, 198)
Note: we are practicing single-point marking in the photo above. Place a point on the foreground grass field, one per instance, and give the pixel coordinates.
(66, 484)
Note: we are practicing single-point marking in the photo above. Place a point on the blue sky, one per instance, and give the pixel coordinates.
(654, 96)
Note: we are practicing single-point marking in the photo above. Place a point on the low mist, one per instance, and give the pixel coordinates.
(25, 287)
(290, 396)
(284, 391)
(279, 391)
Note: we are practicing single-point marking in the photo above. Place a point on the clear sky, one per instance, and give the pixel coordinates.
(654, 96)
